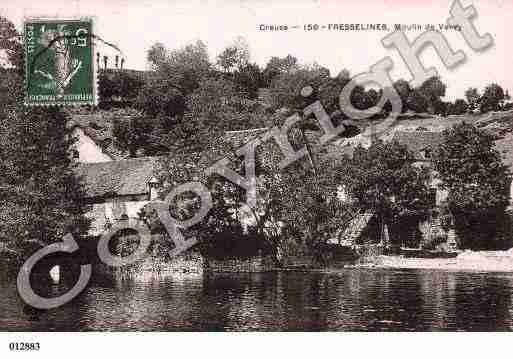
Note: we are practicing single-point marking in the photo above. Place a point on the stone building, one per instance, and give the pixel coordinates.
(117, 190)
(422, 145)
(366, 228)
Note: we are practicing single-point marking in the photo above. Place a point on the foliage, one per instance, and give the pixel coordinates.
(459, 107)
(417, 102)
(159, 97)
(220, 233)
(41, 197)
(329, 93)
(433, 89)
(477, 181)
(215, 107)
(425, 98)
(118, 85)
(403, 90)
(472, 170)
(382, 179)
(473, 98)
(296, 203)
(248, 79)
(176, 75)
(320, 213)
(492, 98)
(235, 56)
(137, 133)
(11, 44)
(157, 56)
(286, 88)
(277, 66)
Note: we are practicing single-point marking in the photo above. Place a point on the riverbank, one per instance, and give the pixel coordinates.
(482, 261)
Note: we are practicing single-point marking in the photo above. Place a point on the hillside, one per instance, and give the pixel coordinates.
(497, 123)
(98, 125)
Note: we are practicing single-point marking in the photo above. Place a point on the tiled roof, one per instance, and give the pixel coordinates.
(334, 150)
(347, 236)
(130, 176)
(125, 177)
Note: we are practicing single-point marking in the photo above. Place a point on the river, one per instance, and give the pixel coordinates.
(341, 300)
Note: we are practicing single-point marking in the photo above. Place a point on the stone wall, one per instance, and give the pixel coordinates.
(190, 263)
(250, 265)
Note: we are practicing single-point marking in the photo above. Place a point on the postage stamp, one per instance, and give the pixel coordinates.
(59, 66)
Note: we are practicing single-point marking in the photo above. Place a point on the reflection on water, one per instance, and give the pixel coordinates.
(342, 300)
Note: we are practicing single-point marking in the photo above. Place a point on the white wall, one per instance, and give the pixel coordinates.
(88, 150)
(102, 213)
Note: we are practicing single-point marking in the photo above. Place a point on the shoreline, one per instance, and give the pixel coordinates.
(468, 261)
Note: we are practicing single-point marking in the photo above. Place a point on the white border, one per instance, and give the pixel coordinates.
(326, 345)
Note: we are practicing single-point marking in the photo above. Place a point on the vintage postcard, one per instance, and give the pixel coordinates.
(249, 166)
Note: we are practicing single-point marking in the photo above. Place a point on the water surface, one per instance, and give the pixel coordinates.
(343, 300)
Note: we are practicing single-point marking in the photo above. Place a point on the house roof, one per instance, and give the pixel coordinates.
(334, 150)
(131, 176)
(124, 177)
(417, 141)
(348, 235)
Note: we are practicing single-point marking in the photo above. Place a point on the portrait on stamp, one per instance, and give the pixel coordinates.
(59, 62)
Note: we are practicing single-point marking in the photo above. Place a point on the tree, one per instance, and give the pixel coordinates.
(137, 133)
(286, 88)
(383, 179)
(160, 97)
(507, 104)
(277, 66)
(176, 75)
(248, 80)
(403, 90)
(473, 98)
(433, 89)
(213, 108)
(234, 57)
(41, 199)
(459, 107)
(157, 56)
(118, 85)
(477, 181)
(297, 203)
(187, 66)
(417, 102)
(329, 93)
(11, 44)
(309, 207)
(492, 99)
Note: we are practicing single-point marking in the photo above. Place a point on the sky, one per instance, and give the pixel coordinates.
(135, 25)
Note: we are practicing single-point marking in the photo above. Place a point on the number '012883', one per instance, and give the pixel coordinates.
(24, 346)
